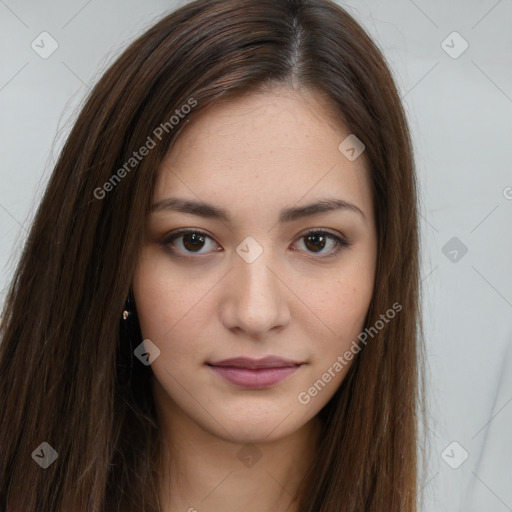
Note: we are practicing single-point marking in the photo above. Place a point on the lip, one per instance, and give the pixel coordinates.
(255, 373)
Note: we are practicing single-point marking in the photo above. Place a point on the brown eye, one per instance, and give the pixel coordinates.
(316, 241)
(193, 241)
(190, 241)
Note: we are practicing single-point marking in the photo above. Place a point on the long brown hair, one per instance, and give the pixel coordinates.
(67, 374)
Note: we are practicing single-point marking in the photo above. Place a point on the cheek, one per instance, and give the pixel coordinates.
(153, 297)
(173, 304)
(163, 298)
(342, 303)
(172, 310)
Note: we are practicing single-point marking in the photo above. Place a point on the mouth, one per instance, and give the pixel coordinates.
(255, 373)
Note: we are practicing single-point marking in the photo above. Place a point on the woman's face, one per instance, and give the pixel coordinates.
(257, 275)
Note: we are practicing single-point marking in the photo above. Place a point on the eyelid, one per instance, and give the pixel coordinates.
(341, 242)
(170, 237)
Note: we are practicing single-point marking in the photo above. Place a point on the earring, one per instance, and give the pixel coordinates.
(127, 328)
(127, 312)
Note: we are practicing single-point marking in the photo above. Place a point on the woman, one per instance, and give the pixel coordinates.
(217, 304)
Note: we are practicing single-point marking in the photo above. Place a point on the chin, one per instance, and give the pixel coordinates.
(250, 427)
(249, 434)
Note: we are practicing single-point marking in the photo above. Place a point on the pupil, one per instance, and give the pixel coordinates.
(315, 238)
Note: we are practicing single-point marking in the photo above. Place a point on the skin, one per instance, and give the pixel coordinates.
(299, 300)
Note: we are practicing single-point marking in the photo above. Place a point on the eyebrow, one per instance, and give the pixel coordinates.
(288, 214)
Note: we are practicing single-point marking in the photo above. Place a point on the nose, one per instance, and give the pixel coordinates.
(255, 298)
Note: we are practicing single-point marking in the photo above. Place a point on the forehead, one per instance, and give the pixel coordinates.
(264, 150)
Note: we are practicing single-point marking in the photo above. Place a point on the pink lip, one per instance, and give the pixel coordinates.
(255, 373)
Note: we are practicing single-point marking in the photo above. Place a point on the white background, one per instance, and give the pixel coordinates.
(460, 114)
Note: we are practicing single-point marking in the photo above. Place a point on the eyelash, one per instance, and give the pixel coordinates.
(340, 243)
